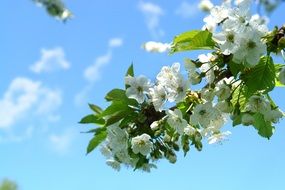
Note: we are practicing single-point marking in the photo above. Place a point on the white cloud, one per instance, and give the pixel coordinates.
(61, 143)
(156, 47)
(187, 10)
(51, 59)
(152, 13)
(26, 97)
(93, 72)
(10, 136)
(115, 42)
(81, 98)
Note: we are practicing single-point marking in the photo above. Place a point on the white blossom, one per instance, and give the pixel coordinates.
(114, 164)
(189, 130)
(218, 137)
(148, 167)
(250, 49)
(173, 82)
(155, 125)
(142, 144)
(202, 114)
(208, 69)
(194, 78)
(175, 120)
(217, 15)
(139, 86)
(273, 115)
(207, 94)
(123, 156)
(105, 150)
(117, 138)
(206, 58)
(158, 97)
(247, 119)
(189, 66)
(257, 104)
(222, 90)
(227, 41)
(224, 106)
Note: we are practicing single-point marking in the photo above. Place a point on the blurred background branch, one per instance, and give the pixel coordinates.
(55, 8)
(269, 5)
(8, 185)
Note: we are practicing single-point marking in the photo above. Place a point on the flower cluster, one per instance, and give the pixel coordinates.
(151, 120)
(240, 32)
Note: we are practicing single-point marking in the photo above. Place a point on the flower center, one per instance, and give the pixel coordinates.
(139, 89)
(202, 112)
(242, 19)
(180, 89)
(251, 44)
(141, 143)
(231, 38)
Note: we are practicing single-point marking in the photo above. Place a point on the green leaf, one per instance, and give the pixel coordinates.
(117, 117)
(120, 95)
(278, 83)
(193, 40)
(261, 77)
(116, 94)
(237, 119)
(265, 129)
(92, 119)
(130, 118)
(96, 140)
(96, 131)
(278, 68)
(130, 71)
(235, 68)
(116, 106)
(240, 97)
(95, 108)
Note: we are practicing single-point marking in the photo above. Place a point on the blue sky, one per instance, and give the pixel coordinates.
(41, 146)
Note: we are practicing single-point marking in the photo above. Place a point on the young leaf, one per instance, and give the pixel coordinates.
(96, 140)
(120, 95)
(92, 119)
(117, 117)
(95, 108)
(116, 94)
(130, 71)
(115, 107)
(193, 40)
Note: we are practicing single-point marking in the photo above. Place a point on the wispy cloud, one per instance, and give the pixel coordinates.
(51, 59)
(61, 143)
(187, 9)
(115, 42)
(152, 13)
(93, 72)
(11, 136)
(25, 97)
